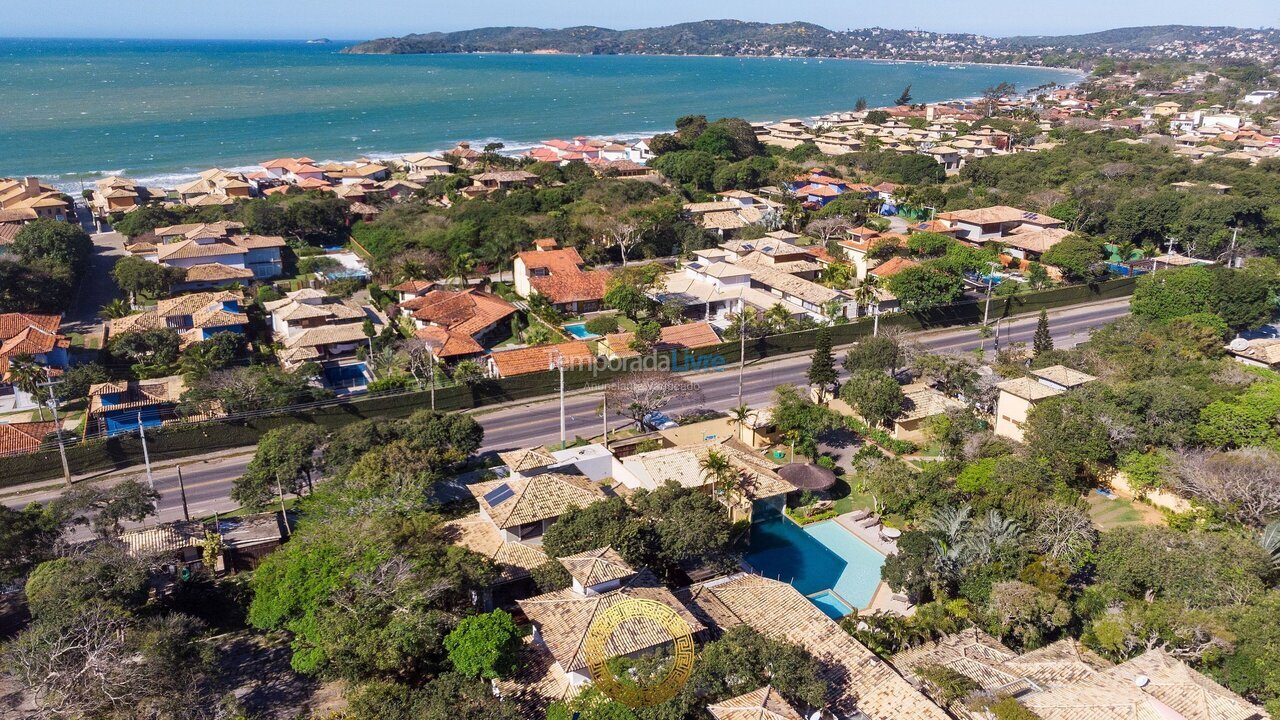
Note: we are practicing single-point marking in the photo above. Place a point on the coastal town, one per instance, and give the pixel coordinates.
(960, 409)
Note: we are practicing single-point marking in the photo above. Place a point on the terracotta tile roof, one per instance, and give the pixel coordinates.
(522, 361)
(221, 228)
(971, 652)
(414, 286)
(1064, 376)
(856, 680)
(513, 560)
(217, 272)
(1033, 239)
(595, 567)
(1000, 214)
(579, 286)
(674, 337)
(23, 437)
(762, 704)
(1063, 662)
(8, 230)
(926, 402)
(346, 333)
(463, 311)
(188, 249)
(527, 459)
(682, 465)
(445, 344)
(565, 260)
(137, 393)
(27, 334)
(541, 497)
(163, 539)
(892, 266)
(563, 618)
(1028, 389)
(537, 682)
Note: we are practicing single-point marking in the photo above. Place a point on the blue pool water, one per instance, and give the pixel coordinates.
(579, 330)
(831, 605)
(819, 557)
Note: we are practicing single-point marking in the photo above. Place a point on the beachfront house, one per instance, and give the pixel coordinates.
(23, 200)
(216, 186)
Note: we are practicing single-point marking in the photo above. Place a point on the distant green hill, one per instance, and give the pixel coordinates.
(735, 37)
(706, 37)
(1131, 38)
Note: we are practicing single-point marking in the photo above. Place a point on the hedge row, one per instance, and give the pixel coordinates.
(182, 441)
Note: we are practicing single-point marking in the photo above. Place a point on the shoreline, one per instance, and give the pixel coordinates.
(74, 181)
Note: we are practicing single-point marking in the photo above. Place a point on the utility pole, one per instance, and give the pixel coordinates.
(604, 416)
(146, 457)
(742, 348)
(875, 320)
(182, 488)
(431, 372)
(557, 362)
(57, 424)
(1231, 258)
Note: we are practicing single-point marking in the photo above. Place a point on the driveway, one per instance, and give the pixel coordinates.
(96, 288)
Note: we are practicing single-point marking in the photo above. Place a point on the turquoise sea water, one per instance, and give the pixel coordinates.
(74, 109)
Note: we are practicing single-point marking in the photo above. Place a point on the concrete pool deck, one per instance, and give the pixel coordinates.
(884, 599)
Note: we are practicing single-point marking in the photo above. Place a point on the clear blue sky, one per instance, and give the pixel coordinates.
(345, 19)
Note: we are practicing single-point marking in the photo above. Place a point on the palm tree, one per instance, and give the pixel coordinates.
(115, 309)
(412, 270)
(719, 471)
(26, 375)
(739, 417)
(865, 294)
(1270, 541)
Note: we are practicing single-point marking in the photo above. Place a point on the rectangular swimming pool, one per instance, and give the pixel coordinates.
(579, 330)
(825, 562)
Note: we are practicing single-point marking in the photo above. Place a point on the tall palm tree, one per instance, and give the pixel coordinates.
(26, 375)
(739, 417)
(719, 471)
(865, 294)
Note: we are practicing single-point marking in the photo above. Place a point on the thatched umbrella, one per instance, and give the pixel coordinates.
(809, 477)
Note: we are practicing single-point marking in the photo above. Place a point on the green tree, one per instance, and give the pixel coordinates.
(646, 337)
(136, 276)
(881, 353)
(152, 352)
(875, 396)
(921, 288)
(1080, 258)
(1042, 342)
(905, 97)
(54, 242)
(822, 367)
(627, 299)
(484, 646)
(1175, 292)
(283, 461)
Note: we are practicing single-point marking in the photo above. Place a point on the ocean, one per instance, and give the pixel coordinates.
(159, 111)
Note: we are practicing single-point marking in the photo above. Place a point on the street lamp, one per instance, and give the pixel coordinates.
(57, 424)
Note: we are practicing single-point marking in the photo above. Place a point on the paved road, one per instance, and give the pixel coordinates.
(97, 288)
(208, 481)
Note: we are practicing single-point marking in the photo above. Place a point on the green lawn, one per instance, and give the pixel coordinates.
(1110, 514)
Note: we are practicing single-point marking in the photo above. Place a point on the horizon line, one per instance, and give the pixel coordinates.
(335, 41)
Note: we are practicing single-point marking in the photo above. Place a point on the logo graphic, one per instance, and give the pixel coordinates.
(632, 612)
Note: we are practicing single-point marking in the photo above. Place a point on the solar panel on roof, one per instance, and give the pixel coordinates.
(695, 266)
(498, 495)
(748, 246)
(1029, 216)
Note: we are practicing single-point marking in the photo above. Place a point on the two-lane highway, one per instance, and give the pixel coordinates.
(208, 481)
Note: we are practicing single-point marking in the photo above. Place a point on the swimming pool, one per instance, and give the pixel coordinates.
(835, 570)
(579, 330)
